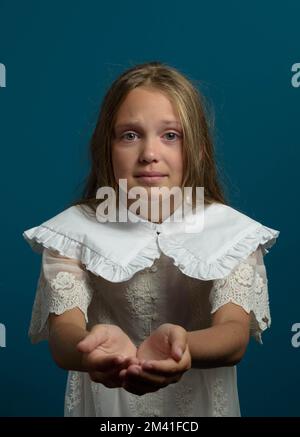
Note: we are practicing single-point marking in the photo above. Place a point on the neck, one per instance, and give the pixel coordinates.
(155, 212)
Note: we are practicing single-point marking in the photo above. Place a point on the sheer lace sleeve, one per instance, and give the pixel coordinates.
(247, 286)
(63, 284)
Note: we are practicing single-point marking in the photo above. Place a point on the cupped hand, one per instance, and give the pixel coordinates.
(163, 358)
(106, 350)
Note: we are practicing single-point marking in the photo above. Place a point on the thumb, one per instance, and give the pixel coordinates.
(178, 342)
(92, 340)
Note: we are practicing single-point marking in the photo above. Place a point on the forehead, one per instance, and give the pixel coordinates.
(144, 103)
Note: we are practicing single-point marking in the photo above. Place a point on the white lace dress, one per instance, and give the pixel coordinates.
(158, 294)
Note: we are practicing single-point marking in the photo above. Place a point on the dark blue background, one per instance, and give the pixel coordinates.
(60, 57)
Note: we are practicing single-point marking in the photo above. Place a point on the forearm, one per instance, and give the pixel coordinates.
(217, 346)
(63, 340)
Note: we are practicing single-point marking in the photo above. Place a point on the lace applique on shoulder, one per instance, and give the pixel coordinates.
(246, 287)
(62, 293)
(67, 292)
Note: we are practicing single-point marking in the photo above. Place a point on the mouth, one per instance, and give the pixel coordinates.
(150, 179)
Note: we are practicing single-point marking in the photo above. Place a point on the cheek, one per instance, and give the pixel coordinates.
(177, 164)
(122, 164)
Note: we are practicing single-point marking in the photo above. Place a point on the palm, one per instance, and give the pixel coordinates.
(106, 351)
(156, 346)
(163, 358)
(116, 342)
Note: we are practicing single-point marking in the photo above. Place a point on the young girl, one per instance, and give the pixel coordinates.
(150, 319)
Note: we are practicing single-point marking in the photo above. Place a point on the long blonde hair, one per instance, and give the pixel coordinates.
(198, 151)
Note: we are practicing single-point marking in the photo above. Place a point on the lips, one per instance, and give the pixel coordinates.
(150, 177)
(150, 174)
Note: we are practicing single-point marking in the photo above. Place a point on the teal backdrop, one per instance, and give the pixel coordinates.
(59, 57)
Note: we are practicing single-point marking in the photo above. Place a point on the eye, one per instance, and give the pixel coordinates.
(126, 136)
(173, 133)
(127, 133)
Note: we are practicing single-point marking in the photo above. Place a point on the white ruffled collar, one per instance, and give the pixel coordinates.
(116, 251)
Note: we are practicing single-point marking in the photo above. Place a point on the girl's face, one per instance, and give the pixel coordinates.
(147, 138)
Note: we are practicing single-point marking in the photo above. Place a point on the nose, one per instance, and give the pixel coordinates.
(149, 151)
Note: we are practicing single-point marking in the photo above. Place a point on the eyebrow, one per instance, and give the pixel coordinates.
(131, 124)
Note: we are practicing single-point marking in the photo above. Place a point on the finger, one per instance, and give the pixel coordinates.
(165, 367)
(170, 373)
(122, 374)
(136, 375)
(100, 362)
(132, 365)
(107, 379)
(92, 340)
(103, 364)
(126, 361)
(133, 360)
(178, 341)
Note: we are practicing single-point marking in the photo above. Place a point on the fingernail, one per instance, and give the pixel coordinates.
(178, 351)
